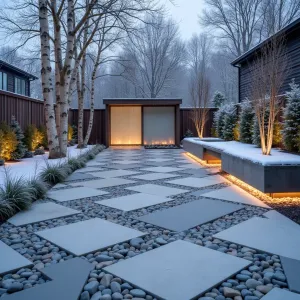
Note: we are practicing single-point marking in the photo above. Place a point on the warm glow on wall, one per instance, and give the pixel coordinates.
(126, 125)
(169, 141)
(203, 162)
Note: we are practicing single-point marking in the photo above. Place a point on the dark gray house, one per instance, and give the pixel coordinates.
(292, 46)
(15, 80)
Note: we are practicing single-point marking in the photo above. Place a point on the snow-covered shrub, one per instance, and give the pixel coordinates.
(230, 120)
(218, 99)
(188, 134)
(33, 137)
(246, 122)
(21, 148)
(38, 188)
(220, 117)
(39, 151)
(291, 123)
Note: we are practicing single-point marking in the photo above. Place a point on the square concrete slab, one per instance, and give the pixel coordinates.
(154, 189)
(95, 163)
(155, 176)
(178, 271)
(162, 169)
(79, 176)
(103, 183)
(125, 162)
(159, 159)
(126, 167)
(114, 173)
(88, 236)
(74, 194)
(89, 169)
(235, 194)
(67, 280)
(160, 164)
(198, 182)
(196, 173)
(59, 186)
(133, 202)
(265, 235)
(190, 166)
(40, 212)
(291, 269)
(11, 260)
(280, 294)
(189, 215)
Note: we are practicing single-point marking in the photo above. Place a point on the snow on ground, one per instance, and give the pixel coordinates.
(251, 152)
(26, 167)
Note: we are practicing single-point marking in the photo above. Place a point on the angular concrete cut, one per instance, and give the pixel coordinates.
(88, 236)
(266, 235)
(114, 173)
(291, 269)
(155, 176)
(276, 216)
(279, 294)
(235, 194)
(154, 189)
(103, 183)
(126, 167)
(79, 176)
(162, 169)
(125, 162)
(196, 173)
(41, 212)
(178, 271)
(11, 260)
(189, 215)
(67, 281)
(190, 166)
(74, 194)
(133, 202)
(198, 182)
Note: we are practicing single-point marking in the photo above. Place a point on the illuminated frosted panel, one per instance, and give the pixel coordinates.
(159, 125)
(126, 125)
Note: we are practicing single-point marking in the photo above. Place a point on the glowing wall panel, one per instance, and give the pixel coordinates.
(159, 125)
(126, 125)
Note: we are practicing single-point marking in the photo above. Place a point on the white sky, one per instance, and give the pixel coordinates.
(186, 12)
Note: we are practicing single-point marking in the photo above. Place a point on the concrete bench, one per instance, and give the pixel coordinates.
(245, 162)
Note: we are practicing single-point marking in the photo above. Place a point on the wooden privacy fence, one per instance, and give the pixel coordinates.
(31, 111)
(26, 110)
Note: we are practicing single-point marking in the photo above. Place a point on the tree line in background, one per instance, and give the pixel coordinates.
(91, 49)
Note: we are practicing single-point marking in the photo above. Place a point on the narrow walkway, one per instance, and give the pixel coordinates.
(149, 224)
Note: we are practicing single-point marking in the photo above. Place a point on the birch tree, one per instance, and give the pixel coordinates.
(268, 74)
(198, 50)
(54, 149)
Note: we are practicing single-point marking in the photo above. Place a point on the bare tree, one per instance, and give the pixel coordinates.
(268, 74)
(278, 14)
(198, 50)
(236, 21)
(153, 53)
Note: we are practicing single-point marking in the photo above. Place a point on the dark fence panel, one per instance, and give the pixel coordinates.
(186, 122)
(31, 111)
(98, 131)
(26, 110)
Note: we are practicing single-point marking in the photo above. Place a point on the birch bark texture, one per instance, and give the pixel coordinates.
(47, 85)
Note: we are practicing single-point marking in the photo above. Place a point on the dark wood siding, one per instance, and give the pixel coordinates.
(11, 80)
(293, 57)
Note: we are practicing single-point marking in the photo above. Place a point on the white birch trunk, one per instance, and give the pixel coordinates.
(47, 85)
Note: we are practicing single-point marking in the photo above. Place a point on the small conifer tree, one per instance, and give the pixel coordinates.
(21, 148)
(246, 122)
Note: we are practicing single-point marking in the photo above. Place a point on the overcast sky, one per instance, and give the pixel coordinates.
(186, 12)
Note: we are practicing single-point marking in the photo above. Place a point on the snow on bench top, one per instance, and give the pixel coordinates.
(250, 152)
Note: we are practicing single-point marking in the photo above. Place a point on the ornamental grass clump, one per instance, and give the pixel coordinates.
(16, 193)
(39, 188)
(53, 174)
(76, 163)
